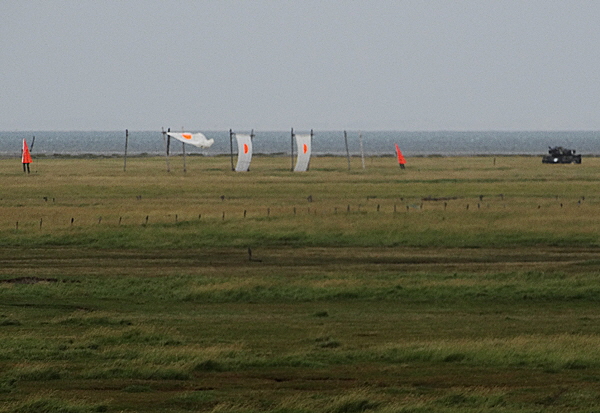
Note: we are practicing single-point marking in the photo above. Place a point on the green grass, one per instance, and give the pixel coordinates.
(368, 298)
(94, 203)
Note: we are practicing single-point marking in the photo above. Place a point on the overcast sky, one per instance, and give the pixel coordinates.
(272, 65)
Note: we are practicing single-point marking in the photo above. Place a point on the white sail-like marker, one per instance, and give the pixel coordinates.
(196, 139)
(244, 143)
(304, 145)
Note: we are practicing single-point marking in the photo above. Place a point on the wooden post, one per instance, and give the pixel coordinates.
(183, 148)
(167, 140)
(292, 139)
(231, 148)
(311, 138)
(347, 151)
(252, 141)
(362, 151)
(126, 144)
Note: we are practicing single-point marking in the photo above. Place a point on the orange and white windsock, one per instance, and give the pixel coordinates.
(401, 160)
(25, 156)
(304, 151)
(244, 143)
(196, 139)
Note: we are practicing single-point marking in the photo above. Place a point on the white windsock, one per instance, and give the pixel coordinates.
(304, 149)
(244, 143)
(196, 139)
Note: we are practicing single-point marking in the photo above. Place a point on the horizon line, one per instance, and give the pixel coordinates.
(321, 130)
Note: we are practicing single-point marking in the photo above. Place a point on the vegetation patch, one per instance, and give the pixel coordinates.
(454, 285)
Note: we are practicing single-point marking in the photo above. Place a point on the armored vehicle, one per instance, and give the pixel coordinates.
(558, 154)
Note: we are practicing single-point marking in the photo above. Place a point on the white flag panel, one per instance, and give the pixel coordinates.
(196, 139)
(244, 143)
(303, 143)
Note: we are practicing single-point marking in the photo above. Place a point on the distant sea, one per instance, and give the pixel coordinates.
(324, 143)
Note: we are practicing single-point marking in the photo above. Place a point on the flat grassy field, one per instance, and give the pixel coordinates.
(455, 285)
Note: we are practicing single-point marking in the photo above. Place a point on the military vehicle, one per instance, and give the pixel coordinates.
(558, 154)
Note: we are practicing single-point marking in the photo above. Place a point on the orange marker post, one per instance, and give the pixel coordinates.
(401, 160)
(25, 157)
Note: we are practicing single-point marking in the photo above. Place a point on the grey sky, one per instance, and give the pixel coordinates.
(272, 65)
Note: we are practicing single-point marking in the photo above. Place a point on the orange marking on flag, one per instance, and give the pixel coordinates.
(305, 148)
(245, 148)
(186, 135)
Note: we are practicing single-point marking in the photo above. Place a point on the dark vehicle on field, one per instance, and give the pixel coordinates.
(558, 154)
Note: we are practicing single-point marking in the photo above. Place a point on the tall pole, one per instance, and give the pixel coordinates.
(231, 148)
(183, 150)
(362, 151)
(251, 141)
(126, 144)
(166, 140)
(168, 150)
(311, 139)
(292, 139)
(347, 151)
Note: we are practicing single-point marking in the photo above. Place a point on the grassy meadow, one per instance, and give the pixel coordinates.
(460, 284)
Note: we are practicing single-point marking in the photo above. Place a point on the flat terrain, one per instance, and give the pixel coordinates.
(455, 285)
